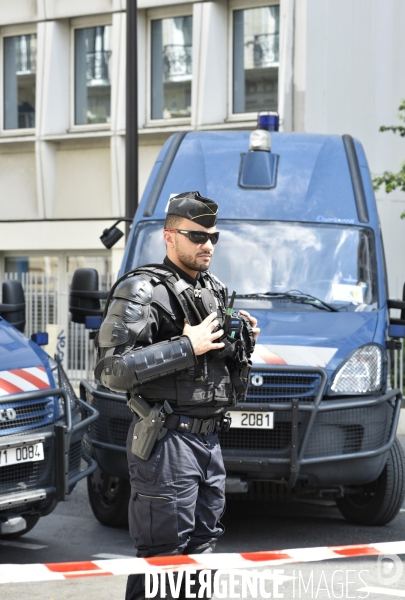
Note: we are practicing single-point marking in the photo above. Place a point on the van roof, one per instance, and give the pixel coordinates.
(314, 182)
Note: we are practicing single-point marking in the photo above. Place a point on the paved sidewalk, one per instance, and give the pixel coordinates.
(83, 588)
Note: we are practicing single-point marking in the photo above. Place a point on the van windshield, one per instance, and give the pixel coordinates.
(333, 263)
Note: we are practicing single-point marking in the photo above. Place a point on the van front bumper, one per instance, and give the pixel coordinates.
(320, 440)
(324, 442)
(37, 485)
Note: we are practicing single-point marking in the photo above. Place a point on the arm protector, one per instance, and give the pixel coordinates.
(123, 373)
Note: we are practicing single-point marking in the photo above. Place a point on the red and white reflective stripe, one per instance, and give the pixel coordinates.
(124, 566)
(29, 379)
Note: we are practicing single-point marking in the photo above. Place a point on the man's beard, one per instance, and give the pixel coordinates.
(190, 261)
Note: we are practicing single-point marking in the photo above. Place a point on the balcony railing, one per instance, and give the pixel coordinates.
(26, 116)
(177, 62)
(26, 54)
(98, 67)
(263, 51)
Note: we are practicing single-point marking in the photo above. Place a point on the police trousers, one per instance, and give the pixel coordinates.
(177, 498)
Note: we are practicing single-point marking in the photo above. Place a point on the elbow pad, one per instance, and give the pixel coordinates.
(123, 373)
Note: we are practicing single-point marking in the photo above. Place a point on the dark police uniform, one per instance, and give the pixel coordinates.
(178, 493)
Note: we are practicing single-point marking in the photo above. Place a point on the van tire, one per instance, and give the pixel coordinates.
(31, 521)
(380, 501)
(109, 498)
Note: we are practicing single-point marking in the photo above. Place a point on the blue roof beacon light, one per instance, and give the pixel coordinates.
(268, 121)
(258, 167)
(260, 138)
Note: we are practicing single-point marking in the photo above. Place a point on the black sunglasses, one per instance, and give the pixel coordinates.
(198, 237)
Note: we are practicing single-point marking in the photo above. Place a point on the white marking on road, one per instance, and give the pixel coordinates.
(402, 510)
(384, 591)
(107, 556)
(25, 545)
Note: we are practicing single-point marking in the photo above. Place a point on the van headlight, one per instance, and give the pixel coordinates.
(365, 371)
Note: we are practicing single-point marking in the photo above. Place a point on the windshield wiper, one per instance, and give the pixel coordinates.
(294, 296)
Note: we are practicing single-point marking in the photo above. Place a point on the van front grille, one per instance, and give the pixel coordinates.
(24, 415)
(267, 386)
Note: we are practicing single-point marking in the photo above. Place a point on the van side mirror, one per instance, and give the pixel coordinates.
(397, 326)
(111, 235)
(13, 306)
(84, 297)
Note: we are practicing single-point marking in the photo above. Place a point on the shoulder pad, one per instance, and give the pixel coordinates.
(135, 289)
(130, 312)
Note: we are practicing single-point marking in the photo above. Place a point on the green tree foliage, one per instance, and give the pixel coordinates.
(391, 181)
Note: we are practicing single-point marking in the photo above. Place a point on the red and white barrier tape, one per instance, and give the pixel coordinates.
(11, 573)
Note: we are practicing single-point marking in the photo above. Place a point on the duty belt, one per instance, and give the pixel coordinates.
(185, 424)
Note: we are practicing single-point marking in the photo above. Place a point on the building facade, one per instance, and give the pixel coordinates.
(327, 66)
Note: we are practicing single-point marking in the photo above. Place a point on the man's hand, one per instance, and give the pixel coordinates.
(202, 336)
(253, 322)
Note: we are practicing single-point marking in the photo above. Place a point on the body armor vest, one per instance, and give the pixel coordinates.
(201, 390)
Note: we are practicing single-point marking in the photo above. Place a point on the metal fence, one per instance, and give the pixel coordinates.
(41, 300)
(81, 355)
(47, 309)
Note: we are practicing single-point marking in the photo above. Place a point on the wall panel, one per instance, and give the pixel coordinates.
(83, 183)
(18, 198)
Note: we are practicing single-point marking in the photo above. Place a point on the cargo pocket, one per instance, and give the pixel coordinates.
(223, 386)
(192, 392)
(145, 470)
(154, 521)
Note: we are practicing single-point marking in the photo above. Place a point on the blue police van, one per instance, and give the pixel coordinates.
(301, 245)
(45, 448)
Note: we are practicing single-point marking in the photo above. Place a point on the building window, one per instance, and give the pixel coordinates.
(172, 67)
(92, 64)
(255, 59)
(20, 56)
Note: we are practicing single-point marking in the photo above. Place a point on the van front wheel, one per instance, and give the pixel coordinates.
(109, 498)
(378, 502)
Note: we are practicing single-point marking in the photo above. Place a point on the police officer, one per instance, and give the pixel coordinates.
(162, 342)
